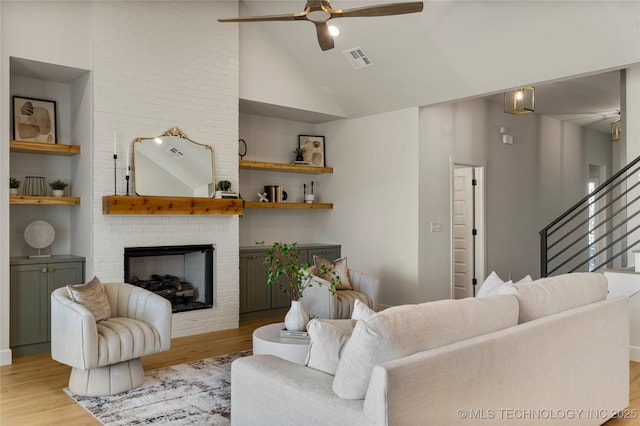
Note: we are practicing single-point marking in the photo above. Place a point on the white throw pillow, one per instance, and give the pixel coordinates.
(526, 279)
(361, 311)
(327, 337)
(494, 286)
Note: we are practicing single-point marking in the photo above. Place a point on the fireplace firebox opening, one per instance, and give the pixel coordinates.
(183, 275)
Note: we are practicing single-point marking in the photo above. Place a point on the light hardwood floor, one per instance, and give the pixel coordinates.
(31, 388)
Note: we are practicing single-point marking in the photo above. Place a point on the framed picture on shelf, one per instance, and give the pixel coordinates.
(313, 150)
(34, 120)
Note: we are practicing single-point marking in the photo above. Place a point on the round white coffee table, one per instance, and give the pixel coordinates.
(267, 340)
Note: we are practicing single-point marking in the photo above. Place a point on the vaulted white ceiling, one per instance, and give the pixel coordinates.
(457, 50)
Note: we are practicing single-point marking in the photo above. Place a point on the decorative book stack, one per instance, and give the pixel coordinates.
(225, 194)
(294, 334)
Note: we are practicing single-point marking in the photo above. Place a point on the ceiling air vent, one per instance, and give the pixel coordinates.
(357, 58)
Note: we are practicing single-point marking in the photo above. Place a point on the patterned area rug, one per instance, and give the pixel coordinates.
(196, 393)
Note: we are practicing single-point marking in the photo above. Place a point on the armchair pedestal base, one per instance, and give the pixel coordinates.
(107, 380)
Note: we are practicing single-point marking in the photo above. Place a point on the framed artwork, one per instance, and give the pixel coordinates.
(34, 120)
(313, 150)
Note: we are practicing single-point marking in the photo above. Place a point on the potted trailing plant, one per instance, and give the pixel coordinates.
(14, 184)
(58, 187)
(282, 260)
(299, 154)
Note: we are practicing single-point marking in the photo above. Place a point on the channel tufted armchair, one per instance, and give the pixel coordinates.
(105, 355)
(319, 302)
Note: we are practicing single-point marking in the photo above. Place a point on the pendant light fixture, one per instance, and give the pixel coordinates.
(520, 101)
(615, 131)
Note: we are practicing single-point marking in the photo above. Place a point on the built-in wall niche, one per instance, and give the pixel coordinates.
(62, 84)
(70, 88)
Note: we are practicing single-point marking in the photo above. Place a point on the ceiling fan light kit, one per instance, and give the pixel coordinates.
(520, 101)
(319, 12)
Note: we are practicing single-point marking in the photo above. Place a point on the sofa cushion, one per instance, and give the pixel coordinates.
(327, 338)
(337, 268)
(548, 296)
(404, 330)
(93, 297)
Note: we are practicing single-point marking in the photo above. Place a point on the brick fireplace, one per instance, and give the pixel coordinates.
(127, 102)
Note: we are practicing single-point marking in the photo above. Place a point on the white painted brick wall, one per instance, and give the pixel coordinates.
(157, 65)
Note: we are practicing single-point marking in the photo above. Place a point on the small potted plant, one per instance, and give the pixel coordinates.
(282, 260)
(14, 184)
(58, 187)
(223, 185)
(299, 154)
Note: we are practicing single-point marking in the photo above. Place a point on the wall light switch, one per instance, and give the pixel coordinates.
(436, 227)
(507, 139)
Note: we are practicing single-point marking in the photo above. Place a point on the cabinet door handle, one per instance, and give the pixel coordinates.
(52, 269)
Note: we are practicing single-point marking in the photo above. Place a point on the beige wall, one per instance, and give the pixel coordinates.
(375, 191)
(528, 183)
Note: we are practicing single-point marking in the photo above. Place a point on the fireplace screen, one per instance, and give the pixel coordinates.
(181, 274)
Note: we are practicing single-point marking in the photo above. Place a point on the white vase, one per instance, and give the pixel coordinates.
(13, 191)
(296, 318)
(58, 192)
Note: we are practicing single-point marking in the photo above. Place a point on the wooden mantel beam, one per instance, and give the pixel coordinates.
(123, 204)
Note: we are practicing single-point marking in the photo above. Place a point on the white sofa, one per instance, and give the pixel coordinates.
(555, 353)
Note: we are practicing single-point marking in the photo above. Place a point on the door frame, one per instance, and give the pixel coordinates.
(480, 246)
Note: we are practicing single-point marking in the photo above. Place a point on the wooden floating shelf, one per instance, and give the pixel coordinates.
(123, 204)
(263, 205)
(280, 167)
(44, 201)
(43, 148)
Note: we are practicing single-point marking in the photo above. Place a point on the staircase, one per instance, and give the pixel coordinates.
(596, 235)
(596, 232)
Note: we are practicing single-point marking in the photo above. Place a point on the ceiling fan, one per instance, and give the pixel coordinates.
(320, 11)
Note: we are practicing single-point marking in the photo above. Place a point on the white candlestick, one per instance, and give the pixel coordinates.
(115, 144)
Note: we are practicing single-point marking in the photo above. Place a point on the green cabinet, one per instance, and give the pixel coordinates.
(31, 284)
(257, 298)
(252, 270)
(326, 252)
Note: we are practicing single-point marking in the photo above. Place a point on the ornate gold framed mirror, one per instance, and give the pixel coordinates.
(172, 165)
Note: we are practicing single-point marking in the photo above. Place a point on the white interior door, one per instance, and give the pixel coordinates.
(468, 230)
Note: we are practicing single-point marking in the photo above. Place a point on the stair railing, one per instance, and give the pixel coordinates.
(594, 233)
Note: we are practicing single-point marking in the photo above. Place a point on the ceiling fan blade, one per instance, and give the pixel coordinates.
(325, 39)
(320, 11)
(291, 17)
(379, 10)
